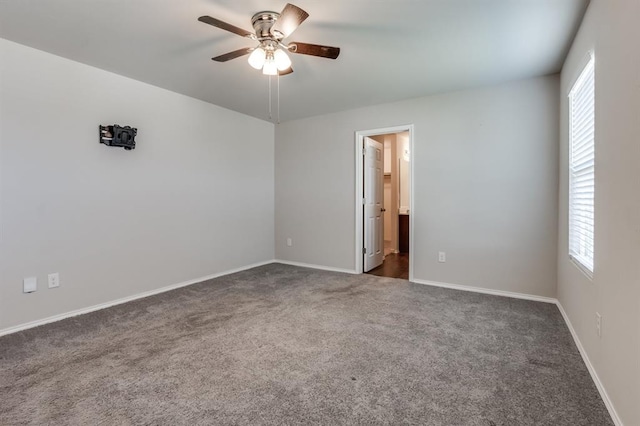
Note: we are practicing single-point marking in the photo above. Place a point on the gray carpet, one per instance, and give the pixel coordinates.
(286, 345)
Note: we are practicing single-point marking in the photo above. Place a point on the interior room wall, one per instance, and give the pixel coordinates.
(610, 29)
(194, 198)
(404, 173)
(390, 192)
(388, 205)
(486, 179)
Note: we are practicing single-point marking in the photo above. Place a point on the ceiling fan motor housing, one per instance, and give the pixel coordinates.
(262, 23)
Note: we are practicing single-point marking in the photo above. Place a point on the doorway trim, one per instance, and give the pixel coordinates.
(359, 139)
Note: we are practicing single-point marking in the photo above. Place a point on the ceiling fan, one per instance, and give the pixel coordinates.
(270, 29)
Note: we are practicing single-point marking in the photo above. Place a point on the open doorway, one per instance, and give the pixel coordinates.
(384, 205)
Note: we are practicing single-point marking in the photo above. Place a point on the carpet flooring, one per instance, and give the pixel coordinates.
(281, 344)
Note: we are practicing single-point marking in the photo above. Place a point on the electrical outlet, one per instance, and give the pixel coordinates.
(54, 280)
(442, 257)
(599, 324)
(30, 284)
(289, 242)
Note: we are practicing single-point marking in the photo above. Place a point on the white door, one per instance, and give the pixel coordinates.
(373, 205)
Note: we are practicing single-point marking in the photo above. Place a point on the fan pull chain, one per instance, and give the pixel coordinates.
(278, 112)
(270, 117)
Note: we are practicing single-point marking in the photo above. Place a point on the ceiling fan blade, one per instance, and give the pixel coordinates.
(285, 72)
(228, 27)
(232, 55)
(314, 50)
(290, 18)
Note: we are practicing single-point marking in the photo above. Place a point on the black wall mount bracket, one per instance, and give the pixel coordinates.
(121, 136)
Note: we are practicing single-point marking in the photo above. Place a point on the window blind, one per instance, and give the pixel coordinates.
(582, 168)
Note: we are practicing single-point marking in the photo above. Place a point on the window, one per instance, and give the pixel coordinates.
(582, 168)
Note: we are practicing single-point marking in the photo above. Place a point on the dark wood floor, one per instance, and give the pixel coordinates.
(395, 265)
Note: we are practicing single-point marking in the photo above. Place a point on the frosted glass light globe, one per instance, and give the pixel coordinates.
(282, 59)
(270, 68)
(257, 58)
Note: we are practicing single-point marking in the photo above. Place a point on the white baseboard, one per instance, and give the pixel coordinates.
(309, 265)
(93, 308)
(503, 293)
(594, 375)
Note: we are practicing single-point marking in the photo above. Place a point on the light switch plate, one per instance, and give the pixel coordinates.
(30, 284)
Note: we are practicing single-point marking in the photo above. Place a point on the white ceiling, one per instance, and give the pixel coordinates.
(391, 50)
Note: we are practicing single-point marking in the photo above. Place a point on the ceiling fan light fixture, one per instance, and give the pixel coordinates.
(257, 58)
(281, 59)
(271, 55)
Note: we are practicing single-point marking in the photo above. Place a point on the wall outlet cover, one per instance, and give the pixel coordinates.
(54, 280)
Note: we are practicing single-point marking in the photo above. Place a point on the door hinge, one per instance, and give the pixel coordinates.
(364, 201)
(364, 250)
(364, 151)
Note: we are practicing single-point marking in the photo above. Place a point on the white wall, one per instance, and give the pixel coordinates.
(404, 169)
(486, 176)
(194, 198)
(391, 192)
(611, 29)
